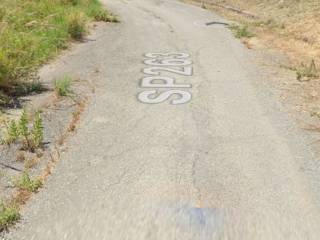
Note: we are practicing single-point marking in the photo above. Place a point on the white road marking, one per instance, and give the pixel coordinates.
(173, 62)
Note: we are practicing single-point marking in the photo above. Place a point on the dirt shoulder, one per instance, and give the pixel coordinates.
(289, 29)
(288, 26)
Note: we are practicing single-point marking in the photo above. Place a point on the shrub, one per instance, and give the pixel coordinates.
(76, 25)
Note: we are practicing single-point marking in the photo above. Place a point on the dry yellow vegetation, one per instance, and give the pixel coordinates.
(292, 26)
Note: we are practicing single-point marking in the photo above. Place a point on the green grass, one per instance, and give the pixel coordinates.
(62, 87)
(8, 216)
(25, 182)
(241, 31)
(12, 133)
(33, 31)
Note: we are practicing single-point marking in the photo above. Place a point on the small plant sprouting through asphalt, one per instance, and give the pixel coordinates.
(8, 216)
(23, 128)
(63, 87)
(37, 131)
(31, 138)
(12, 133)
(25, 182)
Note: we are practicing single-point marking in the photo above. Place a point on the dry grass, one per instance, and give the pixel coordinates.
(291, 26)
(30, 163)
(21, 156)
(76, 115)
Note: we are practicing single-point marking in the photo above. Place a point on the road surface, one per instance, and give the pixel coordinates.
(179, 141)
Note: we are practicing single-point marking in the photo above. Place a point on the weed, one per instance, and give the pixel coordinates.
(37, 131)
(76, 24)
(12, 133)
(25, 182)
(8, 216)
(102, 15)
(31, 138)
(63, 86)
(307, 72)
(23, 128)
(241, 31)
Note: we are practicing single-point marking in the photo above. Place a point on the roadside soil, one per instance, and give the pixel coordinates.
(287, 28)
(291, 27)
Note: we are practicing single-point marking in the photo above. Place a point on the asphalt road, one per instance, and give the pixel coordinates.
(179, 141)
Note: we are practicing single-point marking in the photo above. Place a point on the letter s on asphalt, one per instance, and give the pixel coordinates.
(146, 97)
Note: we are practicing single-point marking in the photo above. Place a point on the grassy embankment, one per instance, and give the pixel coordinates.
(291, 26)
(33, 31)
